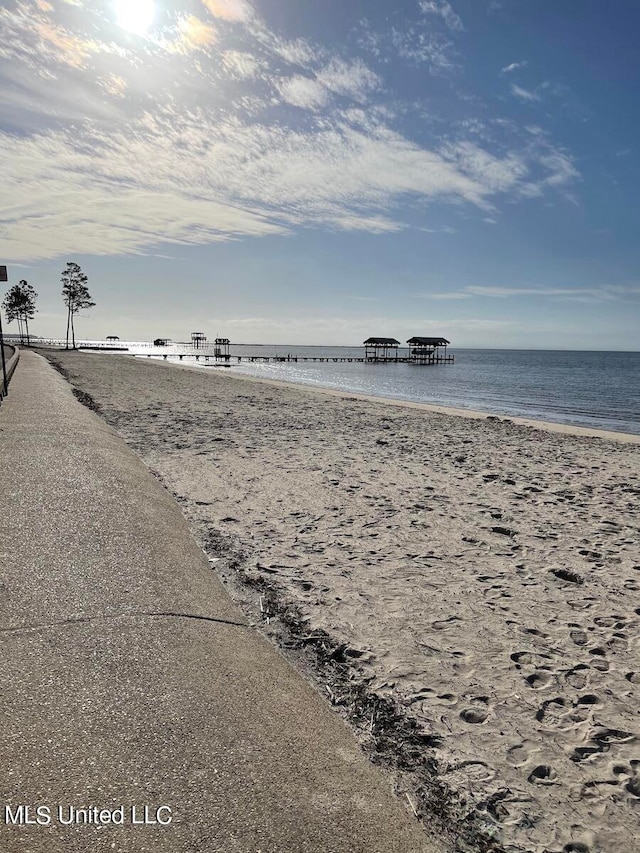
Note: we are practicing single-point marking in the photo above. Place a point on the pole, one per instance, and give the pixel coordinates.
(5, 384)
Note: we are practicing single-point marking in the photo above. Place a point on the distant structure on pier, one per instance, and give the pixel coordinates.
(221, 348)
(198, 339)
(381, 349)
(421, 351)
(427, 351)
(161, 342)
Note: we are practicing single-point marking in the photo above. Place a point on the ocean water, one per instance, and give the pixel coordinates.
(596, 389)
(592, 389)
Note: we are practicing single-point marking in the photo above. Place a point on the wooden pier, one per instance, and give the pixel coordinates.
(238, 359)
(377, 350)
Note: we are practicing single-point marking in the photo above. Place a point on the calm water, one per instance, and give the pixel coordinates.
(592, 389)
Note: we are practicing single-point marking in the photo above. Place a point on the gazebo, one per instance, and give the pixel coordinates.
(427, 351)
(198, 339)
(381, 349)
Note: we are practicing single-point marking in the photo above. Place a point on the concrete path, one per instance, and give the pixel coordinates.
(129, 679)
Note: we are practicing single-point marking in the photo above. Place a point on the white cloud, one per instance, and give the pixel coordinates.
(303, 92)
(424, 47)
(230, 10)
(508, 69)
(192, 179)
(299, 52)
(160, 146)
(240, 65)
(350, 79)
(453, 294)
(497, 174)
(605, 293)
(422, 40)
(443, 10)
(524, 94)
(560, 168)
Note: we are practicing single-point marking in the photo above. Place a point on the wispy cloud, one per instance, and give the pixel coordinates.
(349, 79)
(216, 128)
(230, 10)
(425, 40)
(424, 48)
(524, 94)
(303, 92)
(443, 10)
(193, 35)
(514, 66)
(605, 293)
(240, 65)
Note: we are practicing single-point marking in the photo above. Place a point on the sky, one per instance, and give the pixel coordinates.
(305, 172)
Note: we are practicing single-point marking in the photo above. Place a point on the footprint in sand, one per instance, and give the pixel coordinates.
(474, 715)
(605, 736)
(605, 621)
(526, 658)
(539, 680)
(579, 637)
(553, 712)
(632, 787)
(618, 642)
(474, 771)
(588, 699)
(518, 755)
(446, 699)
(578, 677)
(599, 660)
(543, 774)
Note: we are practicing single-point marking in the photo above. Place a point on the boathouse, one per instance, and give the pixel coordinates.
(381, 349)
(221, 348)
(428, 351)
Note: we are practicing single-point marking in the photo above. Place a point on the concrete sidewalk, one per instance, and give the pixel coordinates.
(129, 678)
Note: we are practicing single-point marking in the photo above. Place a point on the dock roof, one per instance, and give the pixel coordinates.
(389, 342)
(427, 342)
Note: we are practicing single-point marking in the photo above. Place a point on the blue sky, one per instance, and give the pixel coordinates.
(295, 171)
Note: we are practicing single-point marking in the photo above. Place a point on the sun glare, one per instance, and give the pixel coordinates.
(135, 16)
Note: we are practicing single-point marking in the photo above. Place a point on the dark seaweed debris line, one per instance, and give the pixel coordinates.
(389, 737)
(86, 399)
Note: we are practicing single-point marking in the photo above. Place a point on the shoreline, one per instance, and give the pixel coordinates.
(478, 575)
(474, 414)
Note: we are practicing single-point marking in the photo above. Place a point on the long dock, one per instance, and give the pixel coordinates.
(277, 358)
(220, 355)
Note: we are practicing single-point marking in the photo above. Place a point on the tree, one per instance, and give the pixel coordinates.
(20, 304)
(76, 296)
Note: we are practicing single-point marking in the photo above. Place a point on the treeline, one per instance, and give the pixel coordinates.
(20, 302)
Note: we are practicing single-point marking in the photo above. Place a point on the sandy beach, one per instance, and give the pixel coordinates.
(481, 574)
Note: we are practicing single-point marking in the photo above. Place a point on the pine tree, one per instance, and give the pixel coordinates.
(20, 304)
(76, 296)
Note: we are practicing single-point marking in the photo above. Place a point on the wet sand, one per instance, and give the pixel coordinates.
(482, 574)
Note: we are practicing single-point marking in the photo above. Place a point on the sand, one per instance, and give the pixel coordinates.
(482, 574)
